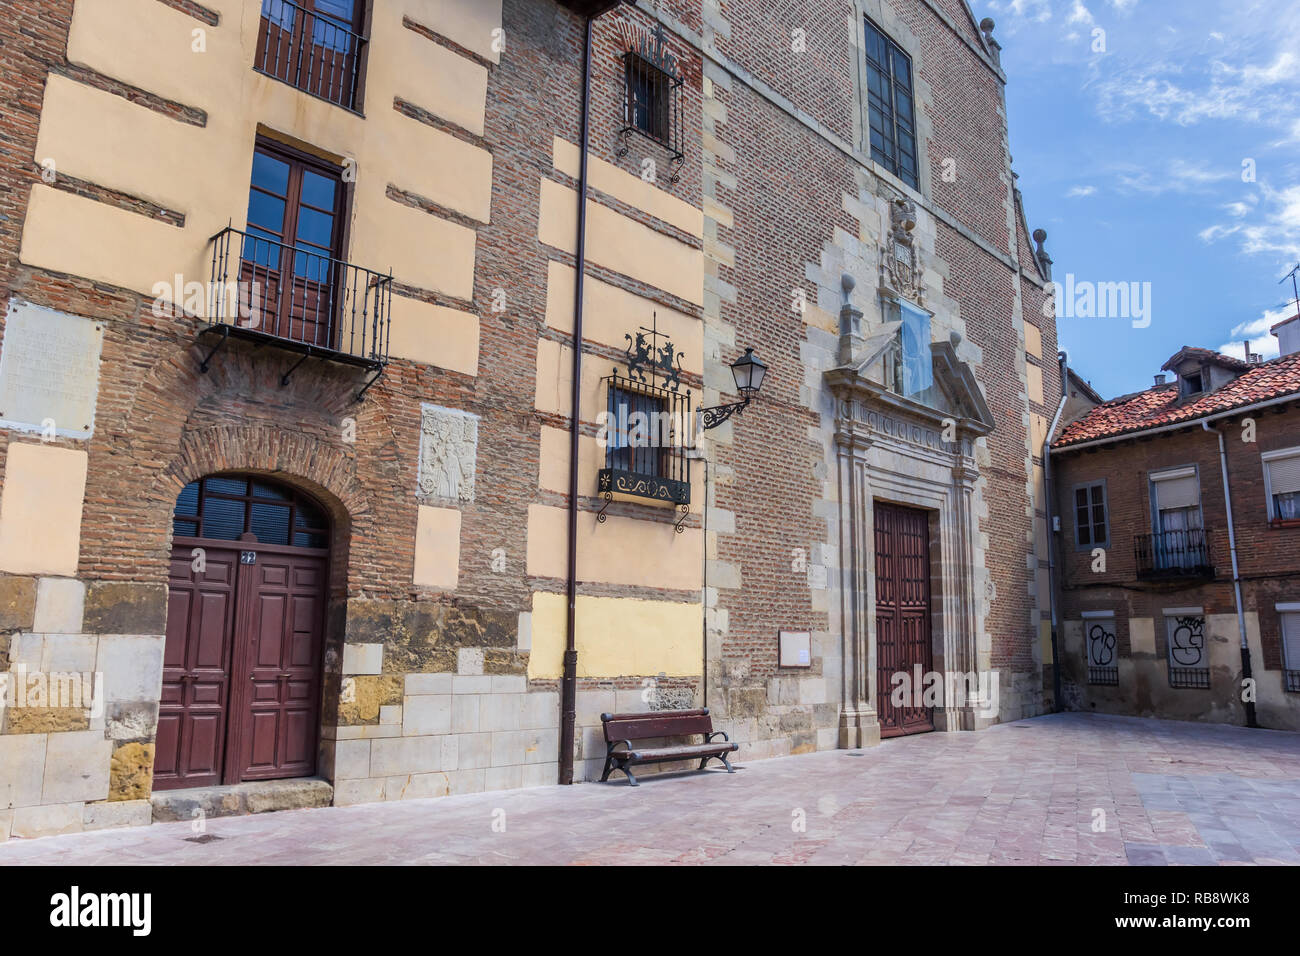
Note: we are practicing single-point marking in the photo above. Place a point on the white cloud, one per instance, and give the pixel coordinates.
(1256, 333)
(1079, 14)
(1268, 227)
(1077, 191)
(1179, 176)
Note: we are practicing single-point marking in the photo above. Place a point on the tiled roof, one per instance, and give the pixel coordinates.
(1205, 355)
(1160, 406)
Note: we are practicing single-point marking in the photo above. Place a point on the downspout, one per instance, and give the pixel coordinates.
(569, 681)
(1062, 361)
(1236, 573)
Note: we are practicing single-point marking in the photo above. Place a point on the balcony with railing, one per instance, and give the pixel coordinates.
(299, 300)
(1183, 554)
(317, 51)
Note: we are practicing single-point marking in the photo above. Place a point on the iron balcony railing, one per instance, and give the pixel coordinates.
(1174, 554)
(305, 301)
(317, 53)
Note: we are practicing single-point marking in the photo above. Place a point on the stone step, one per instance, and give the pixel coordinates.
(238, 799)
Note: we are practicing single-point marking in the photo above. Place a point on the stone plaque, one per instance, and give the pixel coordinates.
(49, 371)
(448, 453)
(794, 648)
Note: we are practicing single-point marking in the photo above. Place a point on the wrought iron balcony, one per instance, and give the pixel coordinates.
(1173, 554)
(298, 300)
(317, 53)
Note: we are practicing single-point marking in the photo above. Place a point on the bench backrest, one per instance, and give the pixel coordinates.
(660, 723)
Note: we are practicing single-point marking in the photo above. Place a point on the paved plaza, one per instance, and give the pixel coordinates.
(1059, 789)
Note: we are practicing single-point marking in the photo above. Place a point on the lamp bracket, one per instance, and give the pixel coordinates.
(717, 414)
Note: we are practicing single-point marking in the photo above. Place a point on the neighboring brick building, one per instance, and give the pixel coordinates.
(287, 370)
(1153, 624)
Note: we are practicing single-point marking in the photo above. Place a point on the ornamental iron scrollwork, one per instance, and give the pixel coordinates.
(647, 355)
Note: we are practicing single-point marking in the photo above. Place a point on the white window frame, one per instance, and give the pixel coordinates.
(1284, 611)
(1265, 458)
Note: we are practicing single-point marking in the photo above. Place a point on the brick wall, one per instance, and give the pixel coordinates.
(1268, 557)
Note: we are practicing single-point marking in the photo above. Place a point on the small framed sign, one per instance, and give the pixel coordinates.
(794, 648)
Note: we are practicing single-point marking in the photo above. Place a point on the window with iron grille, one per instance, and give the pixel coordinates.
(1282, 480)
(653, 103)
(1090, 526)
(1101, 647)
(645, 454)
(1189, 661)
(890, 105)
(1289, 618)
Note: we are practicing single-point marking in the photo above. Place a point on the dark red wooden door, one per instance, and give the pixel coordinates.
(282, 605)
(902, 617)
(191, 739)
(241, 669)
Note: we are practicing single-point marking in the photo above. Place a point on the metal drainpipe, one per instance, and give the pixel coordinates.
(1062, 361)
(1236, 574)
(569, 682)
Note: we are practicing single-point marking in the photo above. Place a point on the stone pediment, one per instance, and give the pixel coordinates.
(956, 395)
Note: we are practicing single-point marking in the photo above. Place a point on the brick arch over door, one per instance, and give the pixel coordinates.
(300, 461)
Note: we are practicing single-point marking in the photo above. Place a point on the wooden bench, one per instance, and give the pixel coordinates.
(622, 729)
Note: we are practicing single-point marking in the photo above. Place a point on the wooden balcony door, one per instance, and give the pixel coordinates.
(292, 246)
(903, 632)
(311, 44)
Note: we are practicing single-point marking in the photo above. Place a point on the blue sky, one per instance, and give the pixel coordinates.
(1132, 159)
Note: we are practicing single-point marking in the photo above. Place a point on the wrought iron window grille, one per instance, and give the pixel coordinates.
(646, 430)
(269, 292)
(652, 99)
(311, 50)
(1188, 667)
(1292, 681)
(1102, 666)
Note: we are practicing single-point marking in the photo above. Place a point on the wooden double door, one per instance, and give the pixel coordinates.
(903, 624)
(242, 666)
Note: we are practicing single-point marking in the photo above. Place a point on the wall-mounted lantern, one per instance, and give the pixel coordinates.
(748, 372)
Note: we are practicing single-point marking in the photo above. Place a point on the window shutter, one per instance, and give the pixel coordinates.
(1284, 475)
(1177, 492)
(1291, 640)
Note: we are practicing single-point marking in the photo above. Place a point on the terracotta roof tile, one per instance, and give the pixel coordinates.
(1159, 405)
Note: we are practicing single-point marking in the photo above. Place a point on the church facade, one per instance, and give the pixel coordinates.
(330, 330)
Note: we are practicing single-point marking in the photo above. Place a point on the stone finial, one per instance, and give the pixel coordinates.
(850, 322)
(995, 48)
(1044, 260)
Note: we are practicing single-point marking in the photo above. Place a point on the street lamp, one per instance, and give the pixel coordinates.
(748, 372)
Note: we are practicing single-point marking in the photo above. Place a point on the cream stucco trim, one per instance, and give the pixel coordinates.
(616, 637)
(632, 190)
(40, 509)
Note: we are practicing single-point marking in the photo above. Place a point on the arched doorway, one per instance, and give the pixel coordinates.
(245, 632)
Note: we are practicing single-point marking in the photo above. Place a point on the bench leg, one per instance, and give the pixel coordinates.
(609, 768)
(630, 779)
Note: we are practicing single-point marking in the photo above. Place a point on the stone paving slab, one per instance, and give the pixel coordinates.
(1022, 793)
